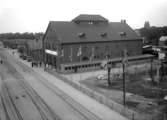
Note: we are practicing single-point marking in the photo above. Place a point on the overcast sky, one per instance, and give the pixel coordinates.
(34, 15)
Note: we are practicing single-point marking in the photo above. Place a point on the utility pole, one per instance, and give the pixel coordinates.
(109, 69)
(124, 61)
(105, 65)
(124, 86)
(151, 72)
(161, 57)
(43, 52)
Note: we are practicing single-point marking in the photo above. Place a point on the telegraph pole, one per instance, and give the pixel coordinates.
(124, 86)
(151, 71)
(109, 69)
(124, 61)
(161, 57)
(105, 65)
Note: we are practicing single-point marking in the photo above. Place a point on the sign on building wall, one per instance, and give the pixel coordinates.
(51, 52)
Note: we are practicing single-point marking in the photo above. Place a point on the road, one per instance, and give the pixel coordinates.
(34, 97)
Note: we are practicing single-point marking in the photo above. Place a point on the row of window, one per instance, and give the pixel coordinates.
(94, 50)
(82, 66)
(54, 46)
(50, 46)
(83, 35)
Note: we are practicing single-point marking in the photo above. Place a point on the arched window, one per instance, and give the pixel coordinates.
(85, 58)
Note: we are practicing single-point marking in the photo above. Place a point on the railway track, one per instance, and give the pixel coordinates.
(10, 109)
(8, 99)
(44, 110)
(88, 115)
(4, 113)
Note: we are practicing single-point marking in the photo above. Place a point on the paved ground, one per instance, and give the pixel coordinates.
(77, 77)
(25, 105)
(88, 103)
(17, 103)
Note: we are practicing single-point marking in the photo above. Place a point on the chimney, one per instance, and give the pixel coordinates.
(123, 21)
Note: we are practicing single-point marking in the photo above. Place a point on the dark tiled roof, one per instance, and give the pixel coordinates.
(71, 32)
(86, 17)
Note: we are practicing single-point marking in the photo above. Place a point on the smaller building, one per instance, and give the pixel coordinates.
(34, 49)
(14, 43)
(163, 41)
(147, 25)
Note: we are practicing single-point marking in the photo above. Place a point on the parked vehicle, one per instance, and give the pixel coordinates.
(102, 77)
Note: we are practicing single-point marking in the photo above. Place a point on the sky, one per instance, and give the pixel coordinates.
(34, 15)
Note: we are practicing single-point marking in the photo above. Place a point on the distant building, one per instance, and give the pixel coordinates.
(14, 43)
(147, 25)
(137, 32)
(83, 43)
(163, 41)
(34, 49)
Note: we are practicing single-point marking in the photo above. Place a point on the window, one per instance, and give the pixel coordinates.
(54, 47)
(96, 48)
(48, 46)
(96, 56)
(90, 23)
(122, 34)
(77, 22)
(107, 56)
(117, 45)
(103, 35)
(81, 35)
(85, 58)
(107, 48)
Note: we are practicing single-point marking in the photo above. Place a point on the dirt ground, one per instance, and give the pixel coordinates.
(142, 95)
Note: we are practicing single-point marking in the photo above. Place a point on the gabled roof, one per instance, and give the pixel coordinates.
(86, 17)
(71, 32)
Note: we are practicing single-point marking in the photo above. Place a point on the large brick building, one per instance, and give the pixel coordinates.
(86, 41)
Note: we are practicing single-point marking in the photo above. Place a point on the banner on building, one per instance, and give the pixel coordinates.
(79, 51)
(51, 52)
(92, 54)
(62, 53)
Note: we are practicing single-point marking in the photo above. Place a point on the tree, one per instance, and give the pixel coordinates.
(17, 35)
(151, 34)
